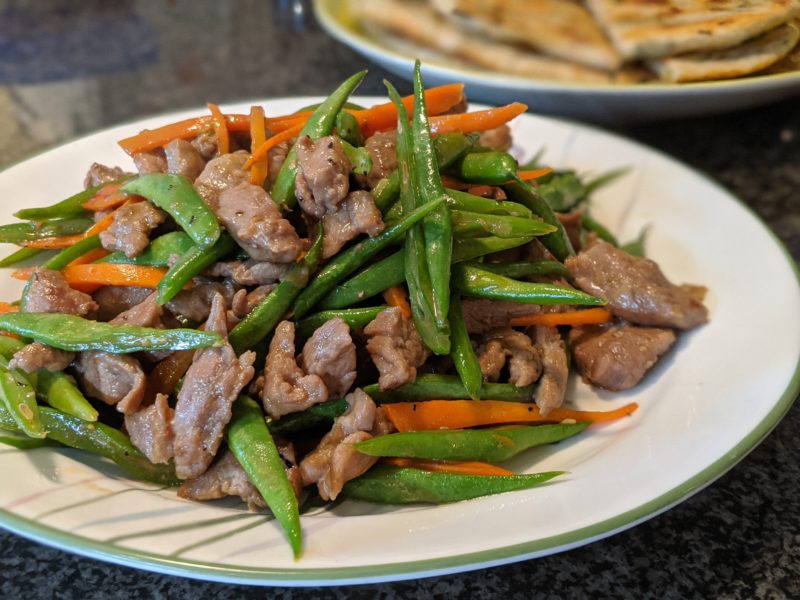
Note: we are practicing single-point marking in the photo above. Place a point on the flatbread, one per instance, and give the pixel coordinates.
(750, 57)
(560, 28)
(418, 22)
(642, 29)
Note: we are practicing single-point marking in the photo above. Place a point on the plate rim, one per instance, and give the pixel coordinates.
(298, 577)
(334, 24)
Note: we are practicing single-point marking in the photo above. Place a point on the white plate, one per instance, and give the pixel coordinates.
(604, 103)
(712, 400)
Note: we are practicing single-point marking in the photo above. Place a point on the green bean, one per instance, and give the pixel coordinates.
(604, 234)
(557, 242)
(318, 125)
(315, 106)
(19, 255)
(467, 224)
(344, 263)
(71, 207)
(159, 252)
(17, 233)
(467, 365)
(23, 442)
(356, 318)
(636, 247)
(470, 248)
(485, 445)
(448, 387)
(464, 201)
(76, 334)
(527, 268)
(177, 196)
(10, 346)
(604, 179)
(376, 278)
(395, 485)
(19, 399)
(486, 168)
(348, 129)
(67, 255)
(471, 280)
(251, 443)
(315, 416)
(386, 192)
(59, 391)
(194, 262)
(264, 317)
(97, 438)
(562, 190)
(359, 158)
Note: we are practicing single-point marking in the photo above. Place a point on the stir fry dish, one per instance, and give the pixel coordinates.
(373, 303)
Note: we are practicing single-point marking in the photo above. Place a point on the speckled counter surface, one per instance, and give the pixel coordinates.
(738, 538)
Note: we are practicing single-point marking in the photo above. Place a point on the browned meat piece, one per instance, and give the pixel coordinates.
(37, 356)
(249, 272)
(382, 148)
(49, 293)
(255, 222)
(275, 159)
(113, 378)
(482, 315)
(287, 388)
(210, 386)
(184, 159)
(145, 314)
(225, 477)
(99, 174)
(286, 450)
(195, 303)
(616, 357)
(322, 175)
(555, 369)
(381, 425)
(150, 430)
(130, 231)
(206, 144)
(356, 215)
(244, 302)
(572, 222)
(498, 138)
(150, 162)
(635, 288)
(524, 365)
(329, 467)
(220, 174)
(331, 354)
(395, 348)
(114, 299)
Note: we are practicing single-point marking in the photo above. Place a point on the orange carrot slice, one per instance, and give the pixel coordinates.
(396, 296)
(480, 120)
(590, 316)
(467, 467)
(113, 274)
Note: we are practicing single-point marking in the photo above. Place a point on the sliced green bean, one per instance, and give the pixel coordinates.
(463, 201)
(159, 252)
(59, 391)
(386, 192)
(356, 318)
(636, 247)
(76, 334)
(65, 209)
(348, 129)
(486, 168)
(464, 358)
(448, 387)
(19, 255)
(590, 224)
(376, 278)
(67, 255)
(19, 399)
(359, 158)
(503, 226)
(317, 416)
(527, 268)
(10, 346)
(471, 248)
(17, 233)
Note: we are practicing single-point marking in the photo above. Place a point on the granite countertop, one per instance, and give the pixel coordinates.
(66, 71)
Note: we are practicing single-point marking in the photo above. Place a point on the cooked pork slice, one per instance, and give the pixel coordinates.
(573, 225)
(150, 162)
(286, 450)
(210, 386)
(287, 388)
(255, 297)
(206, 144)
(255, 222)
(113, 378)
(150, 430)
(635, 288)
(275, 159)
(382, 148)
(130, 231)
(99, 174)
(498, 138)
(395, 348)
(316, 467)
(482, 315)
(322, 175)
(184, 159)
(195, 303)
(114, 299)
(145, 314)
(331, 354)
(524, 365)
(225, 477)
(616, 357)
(48, 292)
(221, 173)
(555, 369)
(37, 356)
(249, 272)
(357, 214)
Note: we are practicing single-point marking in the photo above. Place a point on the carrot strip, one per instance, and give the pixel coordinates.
(480, 120)
(150, 139)
(23, 274)
(460, 414)
(220, 128)
(261, 152)
(534, 173)
(113, 274)
(53, 243)
(467, 467)
(106, 202)
(396, 296)
(90, 256)
(258, 135)
(5, 307)
(590, 316)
